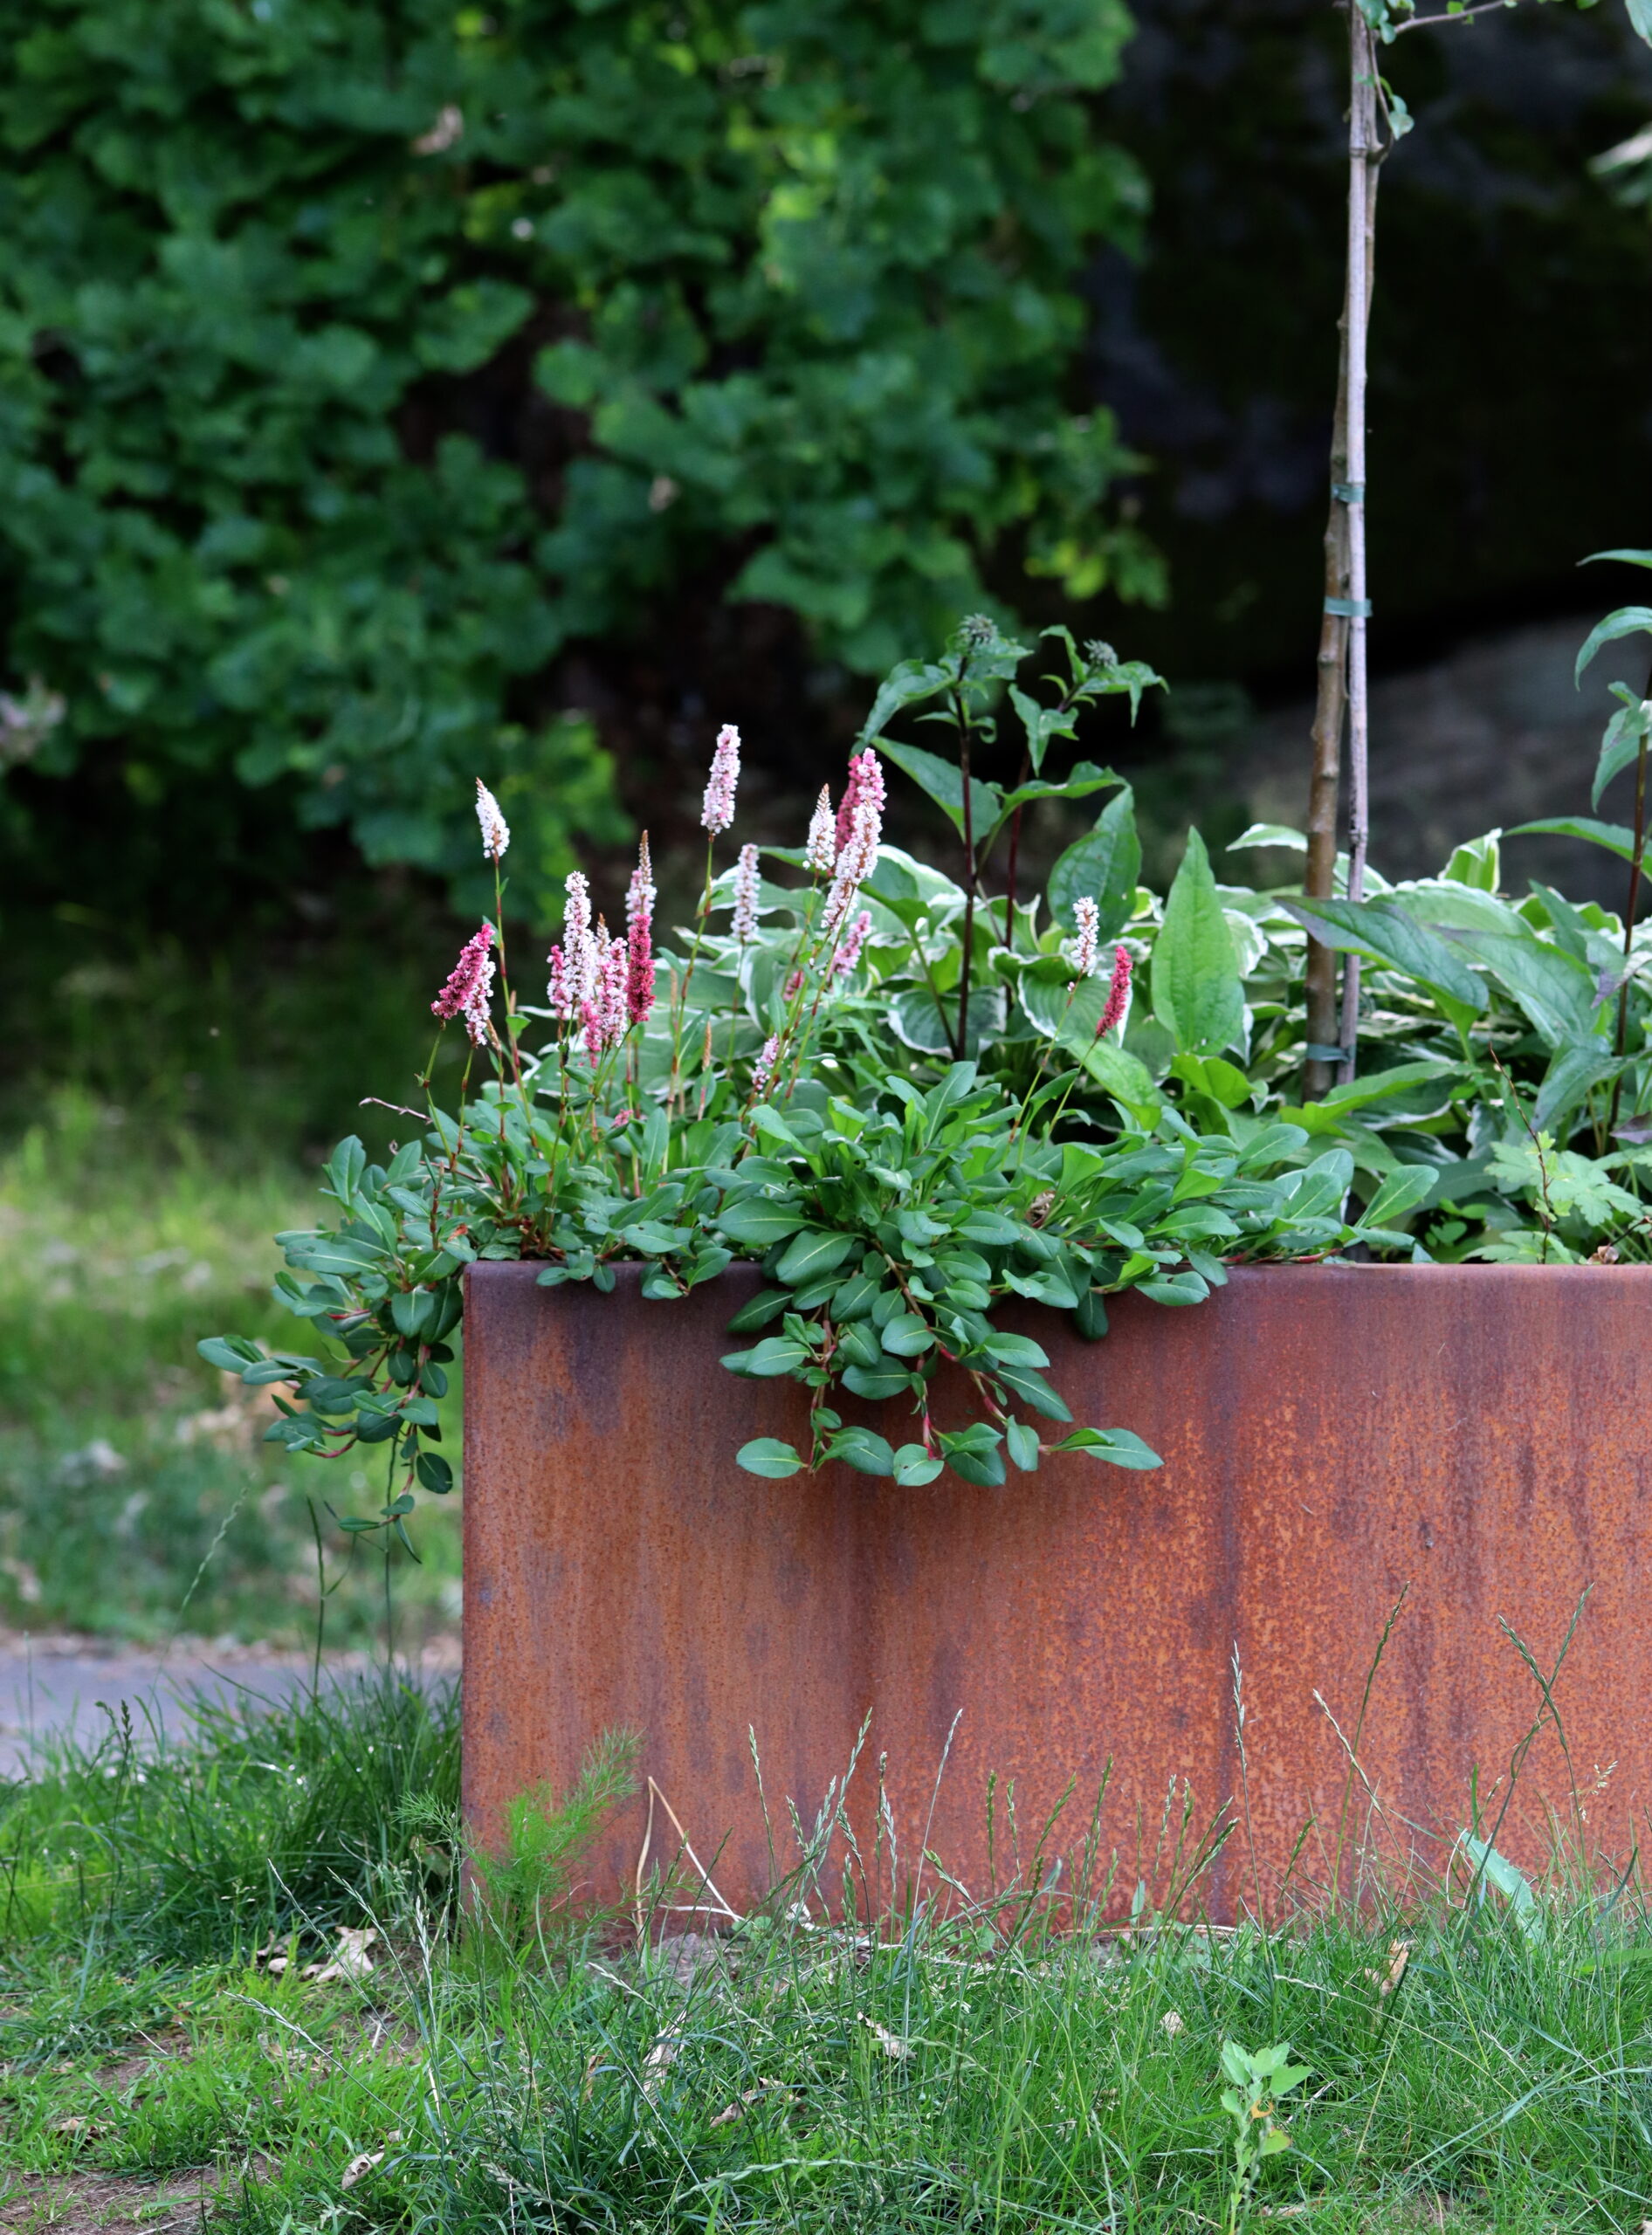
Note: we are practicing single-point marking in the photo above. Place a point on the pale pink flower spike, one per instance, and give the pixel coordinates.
(1081, 952)
(820, 849)
(747, 884)
(719, 810)
(496, 832)
(763, 1069)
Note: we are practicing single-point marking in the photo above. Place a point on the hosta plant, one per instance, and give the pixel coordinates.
(906, 1092)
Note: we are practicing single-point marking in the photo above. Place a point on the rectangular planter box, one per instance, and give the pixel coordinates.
(1331, 1434)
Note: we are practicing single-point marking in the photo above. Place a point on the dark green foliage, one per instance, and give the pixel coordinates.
(354, 358)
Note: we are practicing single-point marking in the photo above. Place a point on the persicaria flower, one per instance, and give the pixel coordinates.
(719, 810)
(1081, 949)
(857, 856)
(866, 780)
(496, 832)
(470, 982)
(747, 885)
(639, 897)
(763, 1068)
(849, 949)
(558, 995)
(639, 939)
(820, 849)
(602, 1012)
(639, 972)
(1117, 992)
(573, 963)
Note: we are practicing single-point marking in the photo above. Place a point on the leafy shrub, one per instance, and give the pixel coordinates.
(354, 359)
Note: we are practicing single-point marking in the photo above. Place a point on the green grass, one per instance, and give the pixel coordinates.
(135, 1494)
(940, 2071)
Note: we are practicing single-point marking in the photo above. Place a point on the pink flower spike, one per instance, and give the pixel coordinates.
(558, 997)
(639, 972)
(857, 858)
(865, 779)
(763, 1069)
(748, 885)
(612, 974)
(717, 811)
(470, 982)
(854, 939)
(1117, 992)
(496, 832)
(820, 849)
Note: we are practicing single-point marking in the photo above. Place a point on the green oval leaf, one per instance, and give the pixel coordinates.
(812, 1254)
(1197, 994)
(767, 1456)
(1105, 866)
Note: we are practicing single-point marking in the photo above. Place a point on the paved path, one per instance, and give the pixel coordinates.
(63, 1684)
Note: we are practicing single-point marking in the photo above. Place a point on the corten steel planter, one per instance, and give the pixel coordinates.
(1330, 1435)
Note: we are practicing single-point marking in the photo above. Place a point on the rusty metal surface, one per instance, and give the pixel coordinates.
(1482, 1433)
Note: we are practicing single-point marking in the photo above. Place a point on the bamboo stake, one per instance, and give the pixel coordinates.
(1342, 695)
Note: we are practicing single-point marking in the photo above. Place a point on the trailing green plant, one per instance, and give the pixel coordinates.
(354, 359)
(909, 1099)
(904, 1098)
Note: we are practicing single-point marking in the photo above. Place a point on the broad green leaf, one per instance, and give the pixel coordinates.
(811, 1254)
(906, 1336)
(767, 1304)
(1399, 1194)
(1021, 1442)
(908, 684)
(1103, 866)
(1625, 739)
(1123, 1075)
(1270, 834)
(914, 1466)
(926, 1024)
(775, 1354)
(1476, 862)
(1555, 990)
(1575, 1069)
(1119, 1446)
(863, 1381)
(1377, 927)
(861, 1449)
(767, 1455)
(945, 785)
(1197, 995)
(1614, 837)
(757, 1221)
(1027, 1383)
(1628, 620)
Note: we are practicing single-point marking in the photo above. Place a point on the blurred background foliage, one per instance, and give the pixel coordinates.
(393, 392)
